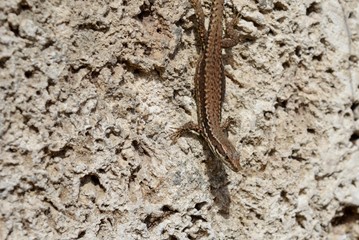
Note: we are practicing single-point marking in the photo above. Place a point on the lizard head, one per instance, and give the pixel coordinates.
(232, 159)
(228, 154)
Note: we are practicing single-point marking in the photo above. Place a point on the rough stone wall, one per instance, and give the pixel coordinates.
(92, 90)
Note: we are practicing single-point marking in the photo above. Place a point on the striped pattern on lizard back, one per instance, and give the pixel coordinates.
(210, 85)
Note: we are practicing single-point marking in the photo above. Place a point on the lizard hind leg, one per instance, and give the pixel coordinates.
(233, 36)
(200, 19)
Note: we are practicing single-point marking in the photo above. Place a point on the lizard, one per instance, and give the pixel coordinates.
(210, 84)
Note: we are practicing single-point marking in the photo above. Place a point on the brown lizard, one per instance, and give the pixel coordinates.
(210, 84)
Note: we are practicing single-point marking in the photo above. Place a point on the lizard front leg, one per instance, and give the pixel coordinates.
(188, 127)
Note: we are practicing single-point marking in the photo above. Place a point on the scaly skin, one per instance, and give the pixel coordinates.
(210, 85)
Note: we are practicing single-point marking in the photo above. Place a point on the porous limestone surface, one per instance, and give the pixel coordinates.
(91, 92)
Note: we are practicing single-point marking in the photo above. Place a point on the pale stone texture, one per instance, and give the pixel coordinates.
(92, 90)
